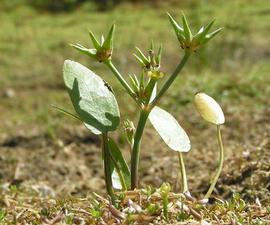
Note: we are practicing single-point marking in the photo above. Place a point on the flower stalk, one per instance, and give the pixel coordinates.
(211, 111)
(171, 79)
(120, 78)
(220, 164)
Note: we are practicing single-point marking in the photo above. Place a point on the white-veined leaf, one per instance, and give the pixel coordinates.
(91, 97)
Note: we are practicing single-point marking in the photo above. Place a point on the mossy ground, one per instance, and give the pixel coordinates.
(146, 206)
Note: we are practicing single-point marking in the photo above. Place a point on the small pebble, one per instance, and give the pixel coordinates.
(9, 93)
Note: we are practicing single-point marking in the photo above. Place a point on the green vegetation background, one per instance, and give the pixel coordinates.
(234, 67)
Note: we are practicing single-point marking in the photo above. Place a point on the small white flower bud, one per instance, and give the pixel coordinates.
(209, 109)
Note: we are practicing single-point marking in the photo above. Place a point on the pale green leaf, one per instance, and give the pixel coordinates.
(93, 101)
(169, 130)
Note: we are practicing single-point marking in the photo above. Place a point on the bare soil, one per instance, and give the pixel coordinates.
(71, 163)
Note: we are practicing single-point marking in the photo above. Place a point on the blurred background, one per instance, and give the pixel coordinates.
(42, 147)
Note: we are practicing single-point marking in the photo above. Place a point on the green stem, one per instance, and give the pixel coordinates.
(171, 79)
(136, 148)
(107, 167)
(120, 78)
(184, 182)
(220, 164)
(142, 121)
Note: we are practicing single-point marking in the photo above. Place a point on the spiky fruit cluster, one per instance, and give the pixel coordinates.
(188, 41)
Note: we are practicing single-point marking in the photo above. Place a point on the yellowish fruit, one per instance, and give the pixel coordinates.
(209, 109)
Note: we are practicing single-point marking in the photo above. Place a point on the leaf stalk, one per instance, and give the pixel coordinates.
(184, 183)
(120, 78)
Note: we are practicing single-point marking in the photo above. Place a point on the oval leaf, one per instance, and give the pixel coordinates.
(169, 130)
(91, 97)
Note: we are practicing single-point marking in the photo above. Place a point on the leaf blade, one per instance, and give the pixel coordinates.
(93, 101)
(169, 130)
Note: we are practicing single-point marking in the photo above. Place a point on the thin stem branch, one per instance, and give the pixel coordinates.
(136, 148)
(170, 80)
(107, 167)
(220, 164)
(120, 78)
(184, 182)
